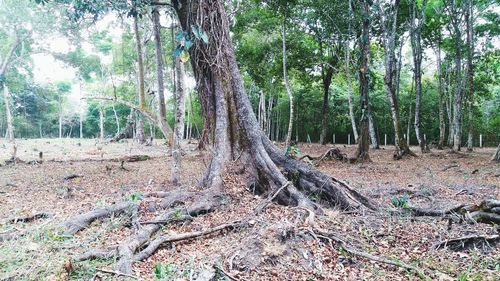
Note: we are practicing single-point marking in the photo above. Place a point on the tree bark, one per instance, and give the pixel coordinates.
(373, 132)
(162, 114)
(180, 96)
(9, 134)
(140, 135)
(140, 64)
(457, 103)
(349, 89)
(262, 111)
(101, 122)
(496, 156)
(364, 83)
(326, 75)
(469, 18)
(287, 87)
(416, 44)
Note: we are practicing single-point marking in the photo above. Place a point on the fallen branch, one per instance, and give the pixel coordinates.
(159, 241)
(41, 215)
(71, 176)
(354, 251)
(449, 167)
(467, 242)
(116, 273)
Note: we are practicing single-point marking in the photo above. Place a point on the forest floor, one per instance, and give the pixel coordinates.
(275, 247)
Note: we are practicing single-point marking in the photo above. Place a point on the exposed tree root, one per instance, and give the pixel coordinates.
(29, 218)
(330, 236)
(474, 241)
(79, 222)
(143, 243)
(488, 211)
(161, 240)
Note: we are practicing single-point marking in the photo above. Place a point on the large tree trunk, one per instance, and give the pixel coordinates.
(162, 113)
(442, 125)
(416, 44)
(180, 96)
(140, 135)
(9, 134)
(391, 78)
(449, 107)
(236, 127)
(469, 18)
(287, 87)
(364, 83)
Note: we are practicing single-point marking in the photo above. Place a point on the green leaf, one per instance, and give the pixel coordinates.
(184, 56)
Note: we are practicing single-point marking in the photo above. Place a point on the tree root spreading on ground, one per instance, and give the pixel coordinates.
(473, 241)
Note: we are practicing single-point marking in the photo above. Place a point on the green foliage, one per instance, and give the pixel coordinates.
(292, 151)
(136, 196)
(164, 271)
(401, 201)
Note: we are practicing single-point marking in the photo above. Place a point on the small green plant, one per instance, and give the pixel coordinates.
(402, 201)
(164, 271)
(136, 196)
(292, 151)
(177, 213)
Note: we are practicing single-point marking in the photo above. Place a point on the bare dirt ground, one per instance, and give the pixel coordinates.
(276, 247)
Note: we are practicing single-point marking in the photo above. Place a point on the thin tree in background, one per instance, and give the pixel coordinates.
(162, 111)
(287, 85)
(455, 14)
(469, 19)
(416, 45)
(9, 134)
(180, 97)
(388, 18)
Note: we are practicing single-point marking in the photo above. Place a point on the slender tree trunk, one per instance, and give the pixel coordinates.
(442, 125)
(391, 78)
(140, 135)
(469, 18)
(117, 120)
(262, 111)
(416, 44)
(287, 86)
(140, 64)
(10, 124)
(349, 90)
(60, 118)
(180, 96)
(101, 123)
(364, 83)
(449, 108)
(162, 114)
